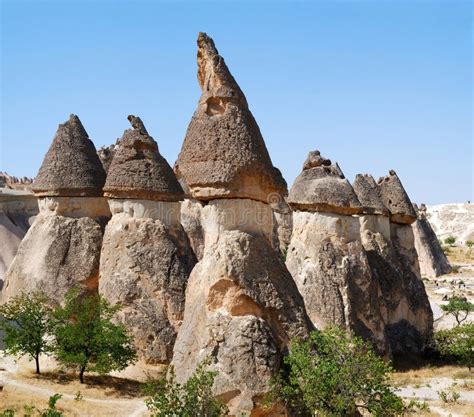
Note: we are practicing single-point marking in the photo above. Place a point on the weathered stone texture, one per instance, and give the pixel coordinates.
(71, 166)
(242, 308)
(144, 267)
(138, 170)
(332, 272)
(223, 154)
(432, 260)
(368, 193)
(56, 254)
(322, 187)
(395, 198)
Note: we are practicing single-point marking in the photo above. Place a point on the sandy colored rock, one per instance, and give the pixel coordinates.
(138, 170)
(404, 304)
(368, 193)
(56, 254)
(395, 198)
(145, 266)
(242, 308)
(223, 154)
(322, 187)
(17, 211)
(192, 224)
(71, 166)
(328, 263)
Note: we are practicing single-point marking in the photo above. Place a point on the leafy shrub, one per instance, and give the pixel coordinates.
(86, 337)
(457, 342)
(168, 398)
(26, 320)
(334, 374)
(450, 240)
(469, 244)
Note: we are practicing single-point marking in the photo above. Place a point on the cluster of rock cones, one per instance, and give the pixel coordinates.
(195, 255)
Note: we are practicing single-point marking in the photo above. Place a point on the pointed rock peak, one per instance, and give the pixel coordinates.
(71, 166)
(322, 187)
(396, 199)
(314, 160)
(137, 123)
(138, 171)
(217, 83)
(224, 154)
(368, 193)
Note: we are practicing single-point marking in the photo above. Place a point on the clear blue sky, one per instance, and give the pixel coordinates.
(373, 85)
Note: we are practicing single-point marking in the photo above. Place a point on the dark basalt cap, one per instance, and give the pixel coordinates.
(368, 193)
(395, 198)
(224, 154)
(322, 187)
(71, 166)
(138, 170)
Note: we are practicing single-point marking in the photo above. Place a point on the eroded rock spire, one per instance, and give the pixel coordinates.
(224, 154)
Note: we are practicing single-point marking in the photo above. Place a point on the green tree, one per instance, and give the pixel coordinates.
(459, 308)
(86, 337)
(194, 398)
(26, 321)
(457, 342)
(469, 244)
(334, 374)
(450, 240)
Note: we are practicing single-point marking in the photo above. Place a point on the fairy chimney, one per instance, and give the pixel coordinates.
(61, 249)
(326, 257)
(146, 258)
(242, 305)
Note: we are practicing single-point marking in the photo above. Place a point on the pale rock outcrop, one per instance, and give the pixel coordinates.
(146, 258)
(61, 249)
(17, 211)
(326, 256)
(242, 305)
(433, 262)
(456, 220)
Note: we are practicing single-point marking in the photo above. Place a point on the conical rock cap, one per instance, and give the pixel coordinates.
(71, 166)
(396, 199)
(368, 193)
(322, 187)
(138, 170)
(224, 154)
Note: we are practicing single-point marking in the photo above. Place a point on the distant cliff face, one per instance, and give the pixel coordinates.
(455, 220)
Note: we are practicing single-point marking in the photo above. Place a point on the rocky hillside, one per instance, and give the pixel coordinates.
(455, 220)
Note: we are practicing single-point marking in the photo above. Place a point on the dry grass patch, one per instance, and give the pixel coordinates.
(457, 254)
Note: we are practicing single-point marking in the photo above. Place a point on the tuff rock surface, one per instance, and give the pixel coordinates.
(328, 263)
(138, 170)
(242, 308)
(71, 166)
(322, 187)
(56, 254)
(146, 258)
(396, 199)
(432, 260)
(17, 211)
(223, 154)
(145, 264)
(393, 261)
(62, 248)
